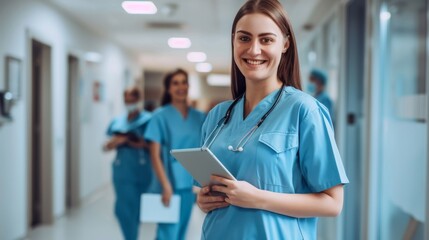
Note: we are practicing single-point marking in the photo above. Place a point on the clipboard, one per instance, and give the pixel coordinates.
(153, 211)
(201, 163)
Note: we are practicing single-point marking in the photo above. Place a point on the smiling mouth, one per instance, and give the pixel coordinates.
(254, 62)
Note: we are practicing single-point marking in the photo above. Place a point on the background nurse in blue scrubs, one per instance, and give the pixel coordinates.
(317, 87)
(175, 125)
(275, 139)
(131, 168)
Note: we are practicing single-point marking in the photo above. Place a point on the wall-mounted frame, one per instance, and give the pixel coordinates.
(13, 76)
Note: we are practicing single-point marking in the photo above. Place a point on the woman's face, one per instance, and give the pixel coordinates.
(258, 47)
(131, 102)
(179, 88)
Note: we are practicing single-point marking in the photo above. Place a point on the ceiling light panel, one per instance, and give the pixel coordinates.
(203, 67)
(196, 57)
(222, 80)
(175, 42)
(94, 57)
(139, 7)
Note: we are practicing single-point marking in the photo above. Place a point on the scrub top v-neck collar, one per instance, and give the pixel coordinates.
(184, 119)
(257, 111)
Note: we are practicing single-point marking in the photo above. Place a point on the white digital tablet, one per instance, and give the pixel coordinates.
(201, 164)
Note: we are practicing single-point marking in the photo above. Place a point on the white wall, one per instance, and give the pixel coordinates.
(64, 36)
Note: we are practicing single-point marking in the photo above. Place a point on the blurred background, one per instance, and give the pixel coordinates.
(66, 64)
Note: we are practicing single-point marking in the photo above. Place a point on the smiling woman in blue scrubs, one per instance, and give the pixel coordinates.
(175, 125)
(276, 140)
(131, 169)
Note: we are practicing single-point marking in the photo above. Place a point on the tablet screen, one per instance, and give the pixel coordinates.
(201, 164)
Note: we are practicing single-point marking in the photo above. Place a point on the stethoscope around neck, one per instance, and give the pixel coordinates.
(225, 119)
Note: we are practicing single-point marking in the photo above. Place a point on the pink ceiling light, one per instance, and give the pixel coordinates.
(139, 7)
(175, 42)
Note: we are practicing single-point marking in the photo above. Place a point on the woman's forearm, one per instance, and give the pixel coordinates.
(138, 144)
(113, 143)
(155, 151)
(326, 203)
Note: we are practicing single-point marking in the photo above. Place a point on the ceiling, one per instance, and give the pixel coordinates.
(206, 22)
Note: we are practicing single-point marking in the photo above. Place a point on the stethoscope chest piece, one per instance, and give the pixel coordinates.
(231, 148)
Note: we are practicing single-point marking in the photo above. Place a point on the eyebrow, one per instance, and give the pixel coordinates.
(260, 35)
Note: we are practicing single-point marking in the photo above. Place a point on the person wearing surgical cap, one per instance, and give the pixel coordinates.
(317, 88)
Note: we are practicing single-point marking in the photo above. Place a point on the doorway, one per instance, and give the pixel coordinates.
(353, 118)
(72, 151)
(40, 159)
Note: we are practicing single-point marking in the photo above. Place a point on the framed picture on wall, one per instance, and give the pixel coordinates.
(13, 76)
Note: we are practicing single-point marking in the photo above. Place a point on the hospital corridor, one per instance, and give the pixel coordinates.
(214, 119)
(94, 220)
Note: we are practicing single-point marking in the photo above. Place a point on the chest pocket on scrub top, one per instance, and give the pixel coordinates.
(279, 142)
(276, 154)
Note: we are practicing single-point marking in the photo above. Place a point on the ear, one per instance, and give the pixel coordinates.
(286, 45)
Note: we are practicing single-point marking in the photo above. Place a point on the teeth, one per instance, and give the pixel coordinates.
(255, 62)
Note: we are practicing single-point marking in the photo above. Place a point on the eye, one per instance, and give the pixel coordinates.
(267, 40)
(243, 38)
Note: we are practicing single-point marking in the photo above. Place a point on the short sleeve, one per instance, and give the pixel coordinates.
(319, 157)
(140, 131)
(155, 130)
(109, 131)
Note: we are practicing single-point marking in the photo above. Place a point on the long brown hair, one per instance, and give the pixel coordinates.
(288, 70)
(166, 97)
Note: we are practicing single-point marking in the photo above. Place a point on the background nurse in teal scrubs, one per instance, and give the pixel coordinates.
(317, 87)
(278, 142)
(131, 168)
(175, 125)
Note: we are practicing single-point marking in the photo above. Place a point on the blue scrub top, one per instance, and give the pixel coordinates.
(293, 151)
(168, 128)
(326, 101)
(131, 165)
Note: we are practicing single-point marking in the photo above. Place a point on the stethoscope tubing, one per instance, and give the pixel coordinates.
(225, 119)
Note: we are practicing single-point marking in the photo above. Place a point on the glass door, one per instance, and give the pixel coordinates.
(402, 125)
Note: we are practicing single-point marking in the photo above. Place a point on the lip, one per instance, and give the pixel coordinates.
(254, 63)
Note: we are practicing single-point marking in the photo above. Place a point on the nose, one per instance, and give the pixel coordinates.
(183, 86)
(255, 48)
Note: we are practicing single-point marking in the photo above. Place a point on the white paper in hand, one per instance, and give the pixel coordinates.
(152, 210)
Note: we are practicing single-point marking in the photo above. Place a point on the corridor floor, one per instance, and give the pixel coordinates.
(95, 220)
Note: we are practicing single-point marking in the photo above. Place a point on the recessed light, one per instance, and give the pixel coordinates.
(312, 57)
(175, 42)
(196, 57)
(219, 80)
(8, 96)
(203, 67)
(93, 57)
(385, 15)
(139, 7)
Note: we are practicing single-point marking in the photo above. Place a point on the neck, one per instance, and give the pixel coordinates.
(255, 92)
(182, 106)
(319, 90)
(179, 103)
